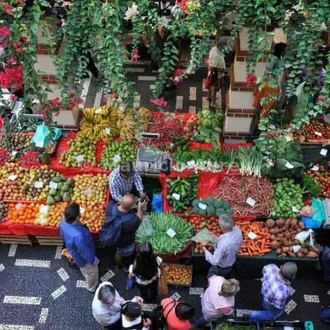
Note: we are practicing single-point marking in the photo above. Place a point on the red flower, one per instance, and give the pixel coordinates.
(56, 102)
(73, 92)
(161, 102)
(1, 122)
(113, 95)
(13, 98)
(8, 8)
(104, 99)
(135, 56)
(251, 79)
(12, 78)
(307, 14)
(21, 2)
(320, 98)
(12, 60)
(5, 31)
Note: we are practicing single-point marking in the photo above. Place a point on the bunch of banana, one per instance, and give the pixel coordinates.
(99, 123)
(127, 126)
(144, 116)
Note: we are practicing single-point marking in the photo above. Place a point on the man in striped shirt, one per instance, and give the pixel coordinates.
(122, 179)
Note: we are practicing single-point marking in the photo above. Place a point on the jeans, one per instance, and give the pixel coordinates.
(200, 322)
(215, 270)
(149, 292)
(91, 275)
(270, 313)
(325, 315)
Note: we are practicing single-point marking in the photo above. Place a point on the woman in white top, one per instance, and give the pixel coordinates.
(146, 271)
(106, 306)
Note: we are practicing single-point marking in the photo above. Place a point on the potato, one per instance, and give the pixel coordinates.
(291, 254)
(285, 249)
(274, 245)
(300, 255)
(273, 238)
(279, 251)
(280, 222)
(273, 231)
(312, 254)
(314, 249)
(301, 225)
(270, 223)
(293, 223)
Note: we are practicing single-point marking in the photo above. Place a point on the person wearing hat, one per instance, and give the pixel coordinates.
(275, 291)
(131, 315)
(122, 180)
(218, 299)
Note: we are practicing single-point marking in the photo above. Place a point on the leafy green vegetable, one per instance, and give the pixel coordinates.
(311, 186)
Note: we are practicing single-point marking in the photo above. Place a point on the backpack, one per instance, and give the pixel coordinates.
(158, 320)
(110, 233)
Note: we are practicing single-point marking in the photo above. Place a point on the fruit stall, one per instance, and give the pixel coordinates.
(203, 179)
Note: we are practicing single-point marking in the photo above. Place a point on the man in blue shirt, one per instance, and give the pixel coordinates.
(79, 242)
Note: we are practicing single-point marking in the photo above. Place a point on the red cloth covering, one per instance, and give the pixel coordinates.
(225, 146)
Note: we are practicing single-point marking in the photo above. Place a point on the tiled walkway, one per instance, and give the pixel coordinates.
(39, 291)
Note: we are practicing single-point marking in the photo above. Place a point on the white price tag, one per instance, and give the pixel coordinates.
(38, 184)
(43, 209)
(99, 110)
(39, 144)
(202, 206)
(323, 152)
(288, 138)
(318, 133)
(52, 185)
(82, 210)
(191, 163)
(289, 165)
(80, 158)
(252, 235)
(315, 168)
(296, 248)
(294, 209)
(107, 130)
(18, 206)
(171, 145)
(116, 158)
(12, 177)
(250, 201)
(88, 191)
(14, 153)
(195, 133)
(170, 232)
(176, 196)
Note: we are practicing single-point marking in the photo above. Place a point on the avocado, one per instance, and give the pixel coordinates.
(57, 198)
(65, 188)
(57, 179)
(52, 192)
(59, 185)
(66, 197)
(63, 178)
(70, 182)
(50, 200)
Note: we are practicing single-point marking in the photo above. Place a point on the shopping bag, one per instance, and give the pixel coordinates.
(162, 282)
(41, 136)
(208, 82)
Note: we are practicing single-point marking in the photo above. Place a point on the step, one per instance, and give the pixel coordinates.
(13, 239)
(50, 240)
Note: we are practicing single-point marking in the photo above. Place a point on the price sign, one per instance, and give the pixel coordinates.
(191, 163)
(88, 191)
(116, 158)
(44, 209)
(38, 184)
(12, 177)
(323, 152)
(252, 235)
(202, 206)
(39, 144)
(288, 138)
(176, 196)
(52, 185)
(250, 201)
(294, 209)
(14, 153)
(318, 133)
(315, 168)
(170, 232)
(289, 165)
(107, 130)
(18, 206)
(99, 110)
(296, 248)
(82, 210)
(80, 158)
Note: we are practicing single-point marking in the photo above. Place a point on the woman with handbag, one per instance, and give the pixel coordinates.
(146, 269)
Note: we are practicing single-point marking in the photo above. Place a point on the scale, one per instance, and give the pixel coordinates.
(151, 161)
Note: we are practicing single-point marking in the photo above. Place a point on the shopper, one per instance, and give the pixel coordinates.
(130, 223)
(107, 305)
(146, 270)
(79, 242)
(224, 256)
(122, 179)
(216, 69)
(132, 317)
(177, 314)
(218, 300)
(325, 316)
(275, 291)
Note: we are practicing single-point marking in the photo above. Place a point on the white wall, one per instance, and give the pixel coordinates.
(241, 100)
(240, 70)
(235, 124)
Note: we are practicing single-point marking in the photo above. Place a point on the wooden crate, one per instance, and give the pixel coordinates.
(50, 240)
(13, 239)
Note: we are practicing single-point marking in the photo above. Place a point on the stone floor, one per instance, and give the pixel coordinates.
(40, 291)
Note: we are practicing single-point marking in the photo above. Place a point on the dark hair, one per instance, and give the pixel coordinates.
(107, 293)
(126, 168)
(72, 212)
(145, 264)
(279, 49)
(131, 309)
(184, 311)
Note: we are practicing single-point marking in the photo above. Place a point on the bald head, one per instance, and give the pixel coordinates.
(127, 202)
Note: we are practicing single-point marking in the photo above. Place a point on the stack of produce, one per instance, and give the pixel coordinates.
(82, 149)
(90, 189)
(283, 233)
(3, 211)
(23, 213)
(211, 206)
(62, 190)
(12, 179)
(256, 239)
(191, 126)
(322, 178)
(99, 123)
(312, 187)
(167, 125)
(239, 190)
(56, 214)
(171, 233)
(210, 127)
(178, 274)
(182, 192)
(16, 143)
(315, 131)
(116, 152)
(143, 117)
(288, 199)
(92, 216)
(229, 326)
(199, 222)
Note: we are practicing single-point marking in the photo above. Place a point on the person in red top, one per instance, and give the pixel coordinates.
(177, 314)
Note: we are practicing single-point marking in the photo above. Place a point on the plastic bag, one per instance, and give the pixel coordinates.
(41, 137)
(307, 211)
(303, 237)
(319, 214)
(205, 236)
(146, 229)
(157, 203)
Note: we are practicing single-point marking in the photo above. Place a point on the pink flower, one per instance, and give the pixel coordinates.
(12, 60)
(73, 92)
(2, 121)
(8, 9)
(113, 95)
(104, 99)
(320, 98)
(251, 79)
(79, 100)
(161, 102)
(206, 60)
(13, 98)
(5, 31)
(307, 14)
(135, 56)
(56, 102)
